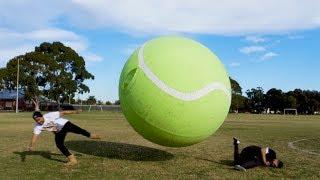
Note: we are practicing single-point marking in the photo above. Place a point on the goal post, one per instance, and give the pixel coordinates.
(287, 111)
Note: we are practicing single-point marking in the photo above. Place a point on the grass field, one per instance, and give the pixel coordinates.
(123, 154)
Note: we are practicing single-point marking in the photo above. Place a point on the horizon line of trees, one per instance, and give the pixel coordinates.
(91, 100)
(275, 100)
(256, 100)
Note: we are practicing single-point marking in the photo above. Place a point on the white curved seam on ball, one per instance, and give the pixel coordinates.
(191, 96)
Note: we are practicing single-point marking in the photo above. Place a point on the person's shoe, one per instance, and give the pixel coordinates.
(71, 160)
(239, 168)
(95, 136)
(235, 141)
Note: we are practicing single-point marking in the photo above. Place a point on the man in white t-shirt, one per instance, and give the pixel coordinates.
(54, 122)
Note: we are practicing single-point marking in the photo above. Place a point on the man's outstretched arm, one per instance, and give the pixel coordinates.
(62, 113)
(263, 155)
(33, 142)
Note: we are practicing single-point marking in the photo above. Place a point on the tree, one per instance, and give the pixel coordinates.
(314, 105)
(301, 101)
(99, 102)
(117, 102)
(312, 101)
(108, 103)
(78, 101)
(3, 75)
(72, 101)
(256, 99)
(91, 100)
(275, 100)
(237, 101)
(290, 101)
(53, 71)
(235, 87)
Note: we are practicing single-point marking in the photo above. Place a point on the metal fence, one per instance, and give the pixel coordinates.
(90, 108)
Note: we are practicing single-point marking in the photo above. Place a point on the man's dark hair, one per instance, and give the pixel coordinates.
(36, 114)
(280, 165)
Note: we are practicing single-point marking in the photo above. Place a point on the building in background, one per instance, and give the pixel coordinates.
(8, 101)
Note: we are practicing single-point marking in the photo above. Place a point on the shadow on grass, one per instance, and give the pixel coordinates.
(44, 154)
(115, 150)
(222, 162)
(226, 162)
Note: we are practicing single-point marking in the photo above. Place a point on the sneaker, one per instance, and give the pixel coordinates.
(239, 168)
(235, 141)
(71, 160)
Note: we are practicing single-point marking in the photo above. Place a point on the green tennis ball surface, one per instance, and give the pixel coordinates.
(174, 91)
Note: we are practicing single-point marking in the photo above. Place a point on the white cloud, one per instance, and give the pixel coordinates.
(11, 52)
(93, 57)
(269, 55)
(40, 21)
(228, 17)
(206, 16)
(78, 46)
(234, 64)
(31, 14)
(252, 49)
(255, 39)
(14, 43)
(50, 34)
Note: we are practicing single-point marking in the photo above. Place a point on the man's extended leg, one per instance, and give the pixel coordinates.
(70, 127)
(236, 156)
(250, 164)
(59, 138)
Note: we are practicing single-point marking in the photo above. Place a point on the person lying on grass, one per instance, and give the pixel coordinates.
(253, 156)
(54, 122)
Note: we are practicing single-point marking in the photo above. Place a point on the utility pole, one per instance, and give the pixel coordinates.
(17, 97)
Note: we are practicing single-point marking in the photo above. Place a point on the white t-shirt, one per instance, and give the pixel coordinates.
(52, 122)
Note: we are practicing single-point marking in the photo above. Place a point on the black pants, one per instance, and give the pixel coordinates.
(60, 136)
(245, 158)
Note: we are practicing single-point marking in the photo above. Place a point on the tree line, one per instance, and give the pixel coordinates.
(259, 101)
(91, 100)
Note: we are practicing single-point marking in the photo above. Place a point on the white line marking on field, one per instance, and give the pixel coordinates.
(291, 145)
(190, 96)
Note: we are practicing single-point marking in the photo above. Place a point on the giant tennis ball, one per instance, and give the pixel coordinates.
(174, 91)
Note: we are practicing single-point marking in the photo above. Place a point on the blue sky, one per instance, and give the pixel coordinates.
(268, 44)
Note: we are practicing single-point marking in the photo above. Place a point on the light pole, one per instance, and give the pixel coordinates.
(17, 97)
